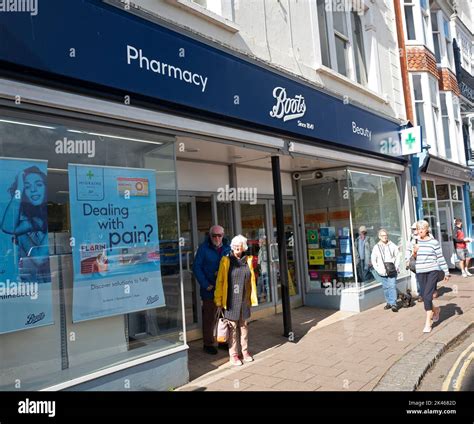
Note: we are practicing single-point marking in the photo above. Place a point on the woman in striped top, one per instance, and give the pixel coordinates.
(429, 261)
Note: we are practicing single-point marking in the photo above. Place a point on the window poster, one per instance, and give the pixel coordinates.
(345, 246)
(116, 257)
(344, 266)
(25, 276)
(316, 256)
(313, 238)
(327, 237)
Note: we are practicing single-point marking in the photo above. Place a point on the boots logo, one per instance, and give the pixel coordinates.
(287, 108)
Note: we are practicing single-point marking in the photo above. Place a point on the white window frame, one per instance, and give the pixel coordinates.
(448, 42)
(349, 55)
(438, 135)
(423, 28)
(431, 108)
(436, 35)
(457, 128)
(418, 101)
(444, 117)
(350, 61)
(445, 40)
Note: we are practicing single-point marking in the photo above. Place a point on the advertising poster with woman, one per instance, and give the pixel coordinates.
(115, 244)
(25, 277)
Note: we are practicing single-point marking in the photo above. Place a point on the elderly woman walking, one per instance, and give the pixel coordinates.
(429, 261)
(236, 292)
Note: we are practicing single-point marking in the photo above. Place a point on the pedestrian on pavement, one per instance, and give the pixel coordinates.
(385, 259)
(429, 262)
(409, 253)
(460, 244)
(236, 292)
(363, 249)
(205, 267)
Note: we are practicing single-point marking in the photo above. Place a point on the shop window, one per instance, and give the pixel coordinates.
(458, 212)
(88, 211)
(224, 217)
(442, 191)
(327, 230)
(429, 214)
(430, 188)
(338, 254)
(429, 206)
(375, 204)
(456, 192)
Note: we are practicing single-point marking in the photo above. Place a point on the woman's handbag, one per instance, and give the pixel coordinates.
(221, 330)
(412, 264)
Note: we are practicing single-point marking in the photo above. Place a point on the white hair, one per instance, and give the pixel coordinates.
(218, 227)
(238, 240)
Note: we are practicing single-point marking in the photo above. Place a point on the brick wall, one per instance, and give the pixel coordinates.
(448, 81)
(420, 59)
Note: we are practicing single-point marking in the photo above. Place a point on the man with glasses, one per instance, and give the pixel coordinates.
(205, 267)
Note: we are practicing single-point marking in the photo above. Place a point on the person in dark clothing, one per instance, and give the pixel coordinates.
(205, 267)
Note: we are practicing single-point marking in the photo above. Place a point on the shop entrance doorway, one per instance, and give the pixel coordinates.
(258, 224)
(197, 213)
(445, 221)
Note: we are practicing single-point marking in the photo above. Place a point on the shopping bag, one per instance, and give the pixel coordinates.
(221, 329)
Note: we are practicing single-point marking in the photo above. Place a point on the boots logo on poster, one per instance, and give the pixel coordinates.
(287, 108)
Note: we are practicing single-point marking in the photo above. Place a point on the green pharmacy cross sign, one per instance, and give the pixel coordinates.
(411, 140)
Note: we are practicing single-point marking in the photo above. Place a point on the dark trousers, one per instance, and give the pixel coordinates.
(208, 321)
(427, 281)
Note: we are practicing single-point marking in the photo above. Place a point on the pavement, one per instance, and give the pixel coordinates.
(375, 350)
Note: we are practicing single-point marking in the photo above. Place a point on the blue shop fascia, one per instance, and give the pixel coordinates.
(135, 88)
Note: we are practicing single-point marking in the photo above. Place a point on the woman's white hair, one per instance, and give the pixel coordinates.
(238, 240)
(423, 225)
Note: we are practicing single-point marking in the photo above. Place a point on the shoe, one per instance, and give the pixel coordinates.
(464, 275)
(235, 360)
(387, 307)
(210, 349)
(427, 330)
(394, 308)
(248, 357)
(469, 274)
(223, 346)
(436, 315)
